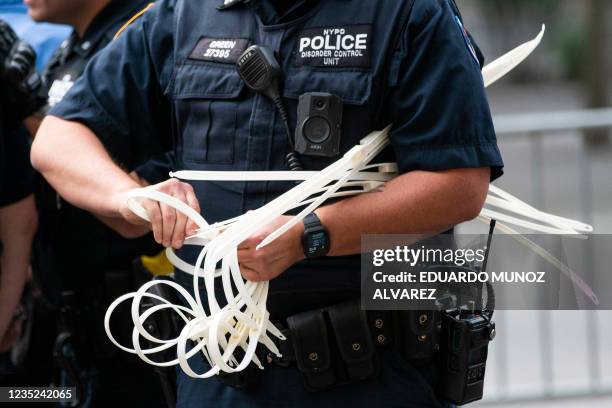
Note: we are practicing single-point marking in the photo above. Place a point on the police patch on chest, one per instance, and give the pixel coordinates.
(226, 50)
(59, 88)
(342, 46)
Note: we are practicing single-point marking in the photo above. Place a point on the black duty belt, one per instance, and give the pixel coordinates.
(380, 325)
(338, 345)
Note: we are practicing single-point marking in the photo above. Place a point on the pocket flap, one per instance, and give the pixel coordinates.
(352, 332)
(353, 87)
(309, 336)
(206, 80)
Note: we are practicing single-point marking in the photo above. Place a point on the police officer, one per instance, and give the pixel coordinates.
(80, 273)
(17, 210)
(409, 63)
(95, 23)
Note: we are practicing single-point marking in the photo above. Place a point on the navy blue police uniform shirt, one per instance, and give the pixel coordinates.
(171, 79)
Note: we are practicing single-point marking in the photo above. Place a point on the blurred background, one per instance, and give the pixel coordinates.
(553, 118)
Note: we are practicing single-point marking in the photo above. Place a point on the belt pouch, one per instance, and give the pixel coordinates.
(380, 323)
(354, 340)
(417, 333)
(310, 341)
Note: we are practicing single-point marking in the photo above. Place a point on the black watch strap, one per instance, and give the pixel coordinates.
(315, 240)
(312, 220)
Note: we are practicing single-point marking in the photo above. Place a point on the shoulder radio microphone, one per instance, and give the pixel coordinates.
(261, 73)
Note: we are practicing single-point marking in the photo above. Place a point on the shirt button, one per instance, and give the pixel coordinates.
(86, 45)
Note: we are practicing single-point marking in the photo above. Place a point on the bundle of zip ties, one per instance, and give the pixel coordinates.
(243, 322)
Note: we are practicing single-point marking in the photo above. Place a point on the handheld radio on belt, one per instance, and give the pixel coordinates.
(465, 335)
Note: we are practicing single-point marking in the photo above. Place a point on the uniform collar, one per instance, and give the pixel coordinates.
(115, 12)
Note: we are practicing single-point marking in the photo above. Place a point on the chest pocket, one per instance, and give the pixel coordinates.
(354, 87)
(206, 104)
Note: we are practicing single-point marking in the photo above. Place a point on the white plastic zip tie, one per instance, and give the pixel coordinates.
(525, 208)
(503, 65)
(266, 175)
(244, 321)
(573, 276)
(155, 195)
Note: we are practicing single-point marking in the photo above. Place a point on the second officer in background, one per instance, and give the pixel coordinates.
(80, 263)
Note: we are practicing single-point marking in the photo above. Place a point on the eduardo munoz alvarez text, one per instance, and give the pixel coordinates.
(459, 257)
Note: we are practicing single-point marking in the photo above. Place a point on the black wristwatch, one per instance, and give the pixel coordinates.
(315, 239)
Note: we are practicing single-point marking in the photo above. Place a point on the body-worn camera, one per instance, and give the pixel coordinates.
(463, 355)
(319, 124)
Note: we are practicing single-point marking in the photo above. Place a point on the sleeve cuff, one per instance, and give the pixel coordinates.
(453, 157)
(86, 112)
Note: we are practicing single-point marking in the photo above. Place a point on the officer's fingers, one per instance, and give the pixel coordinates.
(246, 244)
(245, 255)
(168, 218)
(179, 226)
(8, 34)
(21, 62)
(190, 196)
(155, 218)
(192, 201)
(250, 274)
(191, 228)
(27, 51)
(5, 47)
(252, 241)
(168, 187)
(254, 259)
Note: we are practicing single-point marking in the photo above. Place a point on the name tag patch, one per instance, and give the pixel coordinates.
(343, 46)
(226, 50)
(59, 89)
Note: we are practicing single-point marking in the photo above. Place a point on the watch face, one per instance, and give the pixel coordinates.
(316, 244)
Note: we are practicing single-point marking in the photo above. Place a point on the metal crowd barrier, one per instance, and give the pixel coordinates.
(538, 128)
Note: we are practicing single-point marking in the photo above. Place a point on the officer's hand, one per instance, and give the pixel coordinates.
(18, 77)
(17, 58)
(7, 40)
(170, 227)
(274, 259)
(19, 63)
